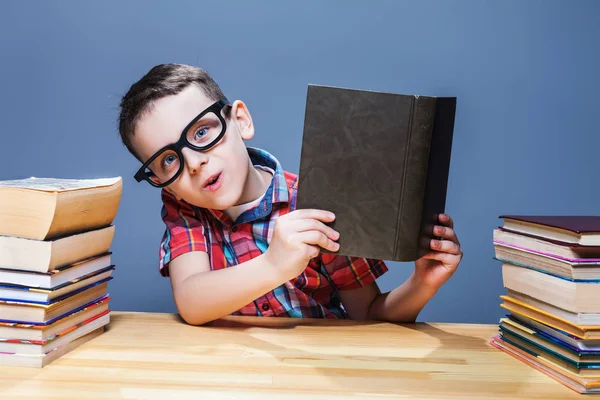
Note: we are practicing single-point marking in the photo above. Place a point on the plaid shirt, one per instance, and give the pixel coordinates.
(313, 294)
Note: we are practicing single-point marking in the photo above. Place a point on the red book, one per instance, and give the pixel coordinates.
(569, 229)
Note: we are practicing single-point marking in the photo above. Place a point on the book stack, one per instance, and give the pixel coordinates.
(551, 271)
(55, 265)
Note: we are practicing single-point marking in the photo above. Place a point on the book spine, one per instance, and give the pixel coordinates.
(438, 169)
(410, 203)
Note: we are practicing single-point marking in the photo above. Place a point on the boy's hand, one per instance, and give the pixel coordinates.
(437, 266)
(296, 239)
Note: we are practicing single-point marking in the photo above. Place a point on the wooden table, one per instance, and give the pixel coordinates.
(147, 355)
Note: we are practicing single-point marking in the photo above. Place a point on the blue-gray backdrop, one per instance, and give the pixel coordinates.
(525, 74)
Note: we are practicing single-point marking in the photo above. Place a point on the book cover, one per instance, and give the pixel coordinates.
(572, 223)
(56, 277)
(582, 230)
(73, 314)
(530, 312)
(32, 324)
(15, 299)
(57, 335)
(534, 336)
(561, 375)
(380, 162)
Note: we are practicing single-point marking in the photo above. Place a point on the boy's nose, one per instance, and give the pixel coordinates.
(193, 159)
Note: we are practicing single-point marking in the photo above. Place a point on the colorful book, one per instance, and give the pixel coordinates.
(583, 369)
(39, 361)
(42, 331)
(576, 269)
(551, 333)
(40, 347)
(56, 277)
(568, 251)
(30, 312)
(47, 295)
(577, 329)
(561, 375)
(583, 230)
(508, 326)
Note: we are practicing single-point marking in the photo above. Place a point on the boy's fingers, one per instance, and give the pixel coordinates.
(446, 220)
(444, 258)
(312, 251)
(303, 225)
(445, 246)
(319, 239)
(311, 213)
(445, 233)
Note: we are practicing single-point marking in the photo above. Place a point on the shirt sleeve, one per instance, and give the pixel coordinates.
(352, 272)
(183, 231)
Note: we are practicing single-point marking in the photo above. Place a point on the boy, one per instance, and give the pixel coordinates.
(234, 242)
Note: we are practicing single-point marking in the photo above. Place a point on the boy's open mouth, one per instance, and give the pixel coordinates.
(213, 182)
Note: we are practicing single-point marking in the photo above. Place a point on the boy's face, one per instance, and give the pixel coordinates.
(227, 161)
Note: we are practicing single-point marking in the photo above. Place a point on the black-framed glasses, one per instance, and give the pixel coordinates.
(202, 133)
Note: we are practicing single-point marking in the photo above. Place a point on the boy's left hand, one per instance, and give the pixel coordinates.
(437, 266)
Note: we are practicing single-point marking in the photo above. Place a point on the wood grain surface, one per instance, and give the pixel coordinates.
(148, 355)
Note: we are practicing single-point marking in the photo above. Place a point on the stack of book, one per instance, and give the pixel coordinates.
(55, 265)
(551, 271)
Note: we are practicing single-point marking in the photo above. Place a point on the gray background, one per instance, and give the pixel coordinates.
(525, 74)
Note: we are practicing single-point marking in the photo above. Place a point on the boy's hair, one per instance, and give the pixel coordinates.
(161, 81)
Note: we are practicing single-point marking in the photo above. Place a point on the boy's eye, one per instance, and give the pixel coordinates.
(200, 133)
(169, 160)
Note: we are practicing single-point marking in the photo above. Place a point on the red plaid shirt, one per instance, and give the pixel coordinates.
(313, 294)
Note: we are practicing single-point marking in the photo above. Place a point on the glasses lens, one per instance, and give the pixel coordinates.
(204, 131)
(164, 167)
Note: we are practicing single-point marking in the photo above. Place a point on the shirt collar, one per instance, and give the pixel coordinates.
(277, 192)
(278, 184)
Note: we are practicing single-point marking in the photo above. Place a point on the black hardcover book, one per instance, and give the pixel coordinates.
(380, 162)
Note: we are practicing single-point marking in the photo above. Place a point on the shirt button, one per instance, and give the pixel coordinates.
(265, 306)
(234, 229)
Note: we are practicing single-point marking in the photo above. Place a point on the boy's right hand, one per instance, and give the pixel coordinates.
(297, 237)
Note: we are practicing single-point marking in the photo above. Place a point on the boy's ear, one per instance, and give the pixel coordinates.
(243, 120)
